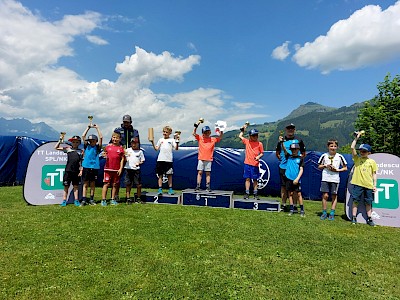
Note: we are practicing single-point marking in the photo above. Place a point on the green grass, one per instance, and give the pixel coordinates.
(181, 252)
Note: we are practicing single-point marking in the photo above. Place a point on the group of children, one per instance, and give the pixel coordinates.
(85, 163)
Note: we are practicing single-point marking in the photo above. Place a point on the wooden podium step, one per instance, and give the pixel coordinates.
(215, 198)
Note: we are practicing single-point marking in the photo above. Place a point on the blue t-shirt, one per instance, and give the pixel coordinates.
(288, 142)
(91, 158)
(293, 164)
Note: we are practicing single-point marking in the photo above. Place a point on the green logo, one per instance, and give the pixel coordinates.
(52, 177)
(387, 194)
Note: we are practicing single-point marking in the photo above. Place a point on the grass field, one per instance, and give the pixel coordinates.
(149, 251)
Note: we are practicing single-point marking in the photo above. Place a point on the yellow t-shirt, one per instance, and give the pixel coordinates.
(364, 168)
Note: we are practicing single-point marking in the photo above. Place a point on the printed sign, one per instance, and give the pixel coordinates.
(385, 208)
(44, 176)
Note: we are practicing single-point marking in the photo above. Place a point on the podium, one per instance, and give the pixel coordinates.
(162, 199)
(215, 198)
(268, 205)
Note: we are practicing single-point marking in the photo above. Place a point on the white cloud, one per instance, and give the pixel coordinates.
(35, 86)
(281, 52)
(369, 36)
(96, 40)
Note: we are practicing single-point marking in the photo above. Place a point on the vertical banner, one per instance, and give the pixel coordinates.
(385, 208)
(44, 176)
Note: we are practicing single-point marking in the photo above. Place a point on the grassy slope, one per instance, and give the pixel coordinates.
(167, 251)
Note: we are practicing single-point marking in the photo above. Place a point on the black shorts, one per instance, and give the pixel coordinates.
(132, 177)
(290, 187)
(282, 177)
(89, 174)
(71, 177)
(164, 167)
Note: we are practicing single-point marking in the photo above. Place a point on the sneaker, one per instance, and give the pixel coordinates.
(208, 189)
(92, 202)
(197, 188)
(159, 191)
(302, 214)
(370, 222)
(256, 197)
(354, 221)
(171, 192)
(295, 210)
(331, 217)
(291, 213)
(324, 216)
(283, 207)
(83, 203)
(129, 201)
(114, 202)
(77, 203)
(64, 203)
(103, 203)
(246, 196)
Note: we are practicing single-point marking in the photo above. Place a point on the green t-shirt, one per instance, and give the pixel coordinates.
(364, 168)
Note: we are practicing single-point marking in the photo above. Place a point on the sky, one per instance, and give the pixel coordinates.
(171, 62)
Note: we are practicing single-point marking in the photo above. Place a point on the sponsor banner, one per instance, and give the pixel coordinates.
(385, 208)
(44, 176)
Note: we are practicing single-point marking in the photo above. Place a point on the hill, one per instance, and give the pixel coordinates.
(23, 127)
(315, 124)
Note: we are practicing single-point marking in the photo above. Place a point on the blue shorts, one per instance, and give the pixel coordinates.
(362, 194)
(252, 172)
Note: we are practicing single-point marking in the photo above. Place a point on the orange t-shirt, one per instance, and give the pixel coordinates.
(252, 150)
(206, 147)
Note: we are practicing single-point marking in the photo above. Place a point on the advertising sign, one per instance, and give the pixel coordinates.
(385, 208)
(44, 176)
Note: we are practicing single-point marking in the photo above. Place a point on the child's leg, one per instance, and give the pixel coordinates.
(115, 190)
(291, 198)
(65, 194)
(160, 181)
(247, 185)
(208, 177)
(334, 201)
(255, 186)
(128, 191)
(368, 208)
(76, 193)
(139, 191)
(199, 177)
(170, 180)
(85, 188)
(354, 209)
(104, 190)
(92, 189)
(325, 197)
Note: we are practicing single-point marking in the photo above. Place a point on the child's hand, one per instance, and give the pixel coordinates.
(295, 182)
(281, 138)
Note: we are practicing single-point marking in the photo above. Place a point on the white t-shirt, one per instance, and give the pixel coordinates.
(337, 161)
(166, 146)
(133, 157)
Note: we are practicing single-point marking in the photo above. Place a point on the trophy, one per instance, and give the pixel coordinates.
(201, 120)
(151, 134)
(62, 135)
(331, 159)
(281, 132)
(90, 121)
(362, 132)
(177, 135)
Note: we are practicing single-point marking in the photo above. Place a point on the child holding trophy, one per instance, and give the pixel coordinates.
(206, 151)
(73, 169)
(331, 163)
(254, 151)
(364, 179)
(134, 158)
(91, 161)
(164, 166)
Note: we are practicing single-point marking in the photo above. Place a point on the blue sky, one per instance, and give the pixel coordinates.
(171, 62)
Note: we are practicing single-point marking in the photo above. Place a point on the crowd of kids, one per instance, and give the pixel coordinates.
(123, 155)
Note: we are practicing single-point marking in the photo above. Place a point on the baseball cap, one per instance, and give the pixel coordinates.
(291, 125)
(365, 147)
(75, 138)
(205, 128)
(134, 140)
(92, 137)
(295, 146)
(253, 131)
(127, 118)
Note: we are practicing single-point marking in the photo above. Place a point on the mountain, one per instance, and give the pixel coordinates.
(315, 124)
(23, 127)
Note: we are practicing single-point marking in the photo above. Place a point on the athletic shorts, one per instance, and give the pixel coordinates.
(282, 177)
(111, 177)
(362, 194)
(252, 172)
(329, 187)
(164, 167)
(290, 187)
(89, 174)
(204, 165)
(132, 177)
(71, 177)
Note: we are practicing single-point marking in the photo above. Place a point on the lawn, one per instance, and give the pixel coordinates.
(155, 251)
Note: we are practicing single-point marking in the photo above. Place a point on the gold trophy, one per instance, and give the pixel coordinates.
(62, 135)
(151, 134)
(281, 132)
(201, 120)
(177, 135)
(362, 132)
(331, 159)
(90, 121)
